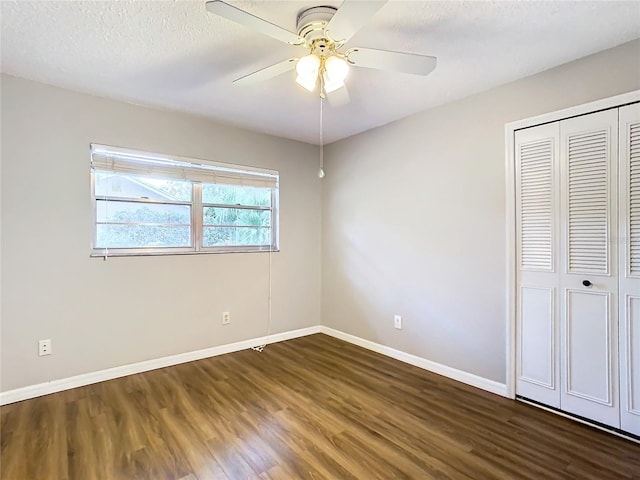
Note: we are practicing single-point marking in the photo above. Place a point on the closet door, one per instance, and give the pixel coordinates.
(589, 277)
(538, 277)
(630, 268)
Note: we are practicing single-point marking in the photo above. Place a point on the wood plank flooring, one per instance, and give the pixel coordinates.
(309, 408)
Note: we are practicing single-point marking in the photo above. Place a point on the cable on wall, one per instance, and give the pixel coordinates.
(260, 348)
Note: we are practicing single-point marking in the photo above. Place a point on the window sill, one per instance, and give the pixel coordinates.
(111, 253)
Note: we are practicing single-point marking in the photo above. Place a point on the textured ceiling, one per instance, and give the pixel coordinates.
(176, 55)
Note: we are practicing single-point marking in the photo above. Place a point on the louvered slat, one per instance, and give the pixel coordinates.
(588, 202)
(634, 200)
(536, 163)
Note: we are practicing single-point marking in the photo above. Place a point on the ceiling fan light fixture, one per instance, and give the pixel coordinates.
(308, 83)
(323, 31)
(336, 68)
(308, 67)
(329, 84)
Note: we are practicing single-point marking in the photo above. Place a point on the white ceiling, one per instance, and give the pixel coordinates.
(176, 55)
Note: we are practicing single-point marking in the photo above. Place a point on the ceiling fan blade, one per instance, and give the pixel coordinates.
(350, 17)
(267, 72)
(339, 97)
(393, 61)
(252, 22)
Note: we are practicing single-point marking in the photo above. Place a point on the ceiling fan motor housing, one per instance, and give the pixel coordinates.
(311, 24)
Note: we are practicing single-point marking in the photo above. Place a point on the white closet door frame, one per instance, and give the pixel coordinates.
(512, 263)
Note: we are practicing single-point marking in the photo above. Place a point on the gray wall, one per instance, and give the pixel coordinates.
(414, 217)
(413, 223)
(102, 314)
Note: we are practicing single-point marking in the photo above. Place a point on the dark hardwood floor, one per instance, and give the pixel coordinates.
(309, 408)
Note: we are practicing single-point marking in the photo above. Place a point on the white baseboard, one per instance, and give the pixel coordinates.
(459, 375)
(32, 391)
(54, 386)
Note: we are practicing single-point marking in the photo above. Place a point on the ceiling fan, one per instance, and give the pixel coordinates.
(324, 31)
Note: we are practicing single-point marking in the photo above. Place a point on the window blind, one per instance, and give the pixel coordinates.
(117, 160)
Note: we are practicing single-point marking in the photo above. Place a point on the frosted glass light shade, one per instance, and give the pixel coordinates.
(329, 84)
(337, 68)
(308, 83)
(308, 66)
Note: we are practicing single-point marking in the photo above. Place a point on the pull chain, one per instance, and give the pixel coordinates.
(321, 170)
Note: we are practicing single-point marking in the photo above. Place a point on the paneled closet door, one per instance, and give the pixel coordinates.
(630, 268)
(589, 277)
(538, 276)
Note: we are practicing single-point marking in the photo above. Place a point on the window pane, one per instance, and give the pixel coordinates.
(236, 195)
(147, 206)
(134, 236)
(135, 212)
(221, 236)
(118, 185)
(236, 216)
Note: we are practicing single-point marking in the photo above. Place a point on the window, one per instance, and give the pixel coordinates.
(153, 204)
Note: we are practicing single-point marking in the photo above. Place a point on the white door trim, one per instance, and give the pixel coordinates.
(510, 129)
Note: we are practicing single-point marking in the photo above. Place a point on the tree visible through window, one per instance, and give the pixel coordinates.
(249, 225)
(140, 208)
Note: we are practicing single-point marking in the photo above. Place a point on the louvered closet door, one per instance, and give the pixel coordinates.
(538, 277)
(589, 276)
(630, 268)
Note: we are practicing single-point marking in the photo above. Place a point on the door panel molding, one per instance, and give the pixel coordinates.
(551, 335)
(632, 357)
(608, 350)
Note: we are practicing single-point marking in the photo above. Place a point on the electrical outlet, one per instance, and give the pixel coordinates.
(44, 347)
(226, 318)
(397, 322)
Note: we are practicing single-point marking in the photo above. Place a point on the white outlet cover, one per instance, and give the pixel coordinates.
(44, 347)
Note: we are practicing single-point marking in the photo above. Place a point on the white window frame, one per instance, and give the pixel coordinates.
(106, 158)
